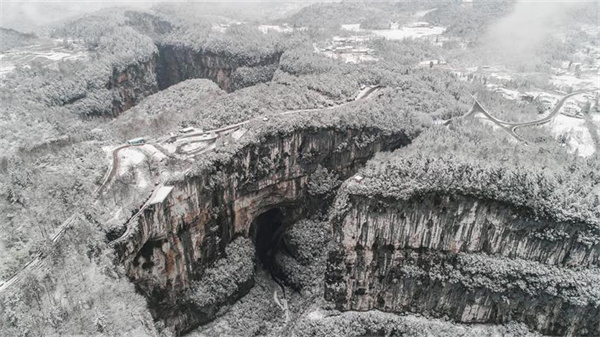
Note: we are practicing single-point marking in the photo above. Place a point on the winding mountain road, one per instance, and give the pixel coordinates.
(113, 167)
(511, 127)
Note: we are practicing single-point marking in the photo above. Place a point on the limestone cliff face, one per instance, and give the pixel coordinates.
(174, 242)
(469, 259)
(178, 63)
(172, 64)
(130, 85)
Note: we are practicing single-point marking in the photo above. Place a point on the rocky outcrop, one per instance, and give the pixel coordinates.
(223, 283)
(179, 63)
(174, 242)
(130, 85)
(473, 260)
(151, 25)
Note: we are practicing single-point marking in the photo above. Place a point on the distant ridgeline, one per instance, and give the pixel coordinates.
(10, 38)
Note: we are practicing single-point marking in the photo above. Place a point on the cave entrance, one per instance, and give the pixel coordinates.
(267, 230)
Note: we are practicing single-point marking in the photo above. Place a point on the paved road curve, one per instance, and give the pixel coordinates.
(511, 127)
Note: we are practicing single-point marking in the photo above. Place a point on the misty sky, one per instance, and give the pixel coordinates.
(530, 15)
(27, 15)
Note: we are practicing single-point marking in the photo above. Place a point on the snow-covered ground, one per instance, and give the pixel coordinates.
(271, 28)
(587, 82)
(153, 152)
(170, 147)
(413, 30)
(316, 314)
(6, 68)
(129, 158)
(353, 27)
(509, 94)
(350, 57)
(484, 120)
(237, 134)
(421, 14)
(279, 29)
(501, 76)
(409, 32)
(193, 146)
(161, 194)
(47, 52)
(427, 63)
(578, 135)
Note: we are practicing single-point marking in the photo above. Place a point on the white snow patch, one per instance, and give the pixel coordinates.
(506, 93)
(237, 134)
(501, 76)
(154, 152)
(169, 146)
(128, 158)
(572, 81)
(486, 121)
(48, 53)
(161, 194)
(315, 315)
(350, 57)
(363, 93)
(193, 146)
(353, 27)
(421, 14)
(5, 69)
(142, 181)
(579, 137)
(279, 29)
(409, 32)
(54, 56)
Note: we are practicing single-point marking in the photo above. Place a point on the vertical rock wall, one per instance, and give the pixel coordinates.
(132, 84)
(174, 242)
(171, 65)
(179, 63)
(468, 259)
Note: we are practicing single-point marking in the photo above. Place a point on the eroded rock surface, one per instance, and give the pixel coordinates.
(175, 241)
(133, 83)
(470, 259)
(178, 63)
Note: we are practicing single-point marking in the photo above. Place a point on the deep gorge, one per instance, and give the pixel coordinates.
(174, 242)
(176, 63)
(469, 259)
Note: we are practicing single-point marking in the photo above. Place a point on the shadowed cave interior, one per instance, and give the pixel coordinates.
(267, 231)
